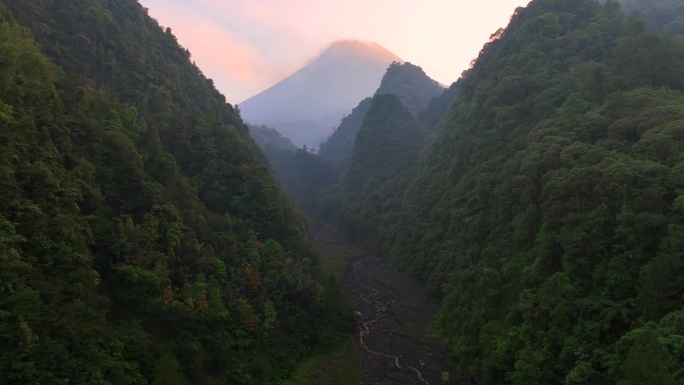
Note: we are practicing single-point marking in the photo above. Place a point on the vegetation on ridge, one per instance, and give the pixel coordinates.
(548, 210)
(142, 238)
(407, 82)
(550, 202)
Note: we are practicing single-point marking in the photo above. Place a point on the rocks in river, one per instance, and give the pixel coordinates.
(392, 327)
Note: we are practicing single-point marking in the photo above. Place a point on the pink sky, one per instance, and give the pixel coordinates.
(246, 46)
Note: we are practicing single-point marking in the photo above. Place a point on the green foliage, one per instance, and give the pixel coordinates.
(647, 363)
(268, 137)
(168, 371)
(410, 84)
(303, 175)
(665, 16)
(431, 116)
(385, 149)
(339, 147)
(547, 211)
(142, 238)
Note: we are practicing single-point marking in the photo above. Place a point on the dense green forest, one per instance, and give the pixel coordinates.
(303, 175)
(548, 212)
(410, 84)
(431, 116)
(143, 239)
(386, 147)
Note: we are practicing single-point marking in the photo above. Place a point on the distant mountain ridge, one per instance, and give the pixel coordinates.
(414, 90)
(306, 105)
(408, 82)
(267, 136)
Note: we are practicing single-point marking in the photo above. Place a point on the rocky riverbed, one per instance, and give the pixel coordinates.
(393, 312)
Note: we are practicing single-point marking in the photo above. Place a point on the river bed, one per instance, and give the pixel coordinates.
(394, 314)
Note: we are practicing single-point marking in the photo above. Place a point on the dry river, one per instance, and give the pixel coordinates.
(394, 314)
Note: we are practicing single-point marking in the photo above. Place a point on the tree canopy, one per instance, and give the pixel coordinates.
(547, 211)
(143, 238)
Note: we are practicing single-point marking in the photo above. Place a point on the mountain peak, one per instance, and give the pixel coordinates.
(359, 47)
(411, 85)
(306, 105)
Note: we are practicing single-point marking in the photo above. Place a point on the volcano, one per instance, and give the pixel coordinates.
(307, 105)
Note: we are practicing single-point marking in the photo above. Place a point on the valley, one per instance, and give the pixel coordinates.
(526, 222)
(394, 313)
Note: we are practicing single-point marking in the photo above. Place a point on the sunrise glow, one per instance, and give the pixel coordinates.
(246, 46)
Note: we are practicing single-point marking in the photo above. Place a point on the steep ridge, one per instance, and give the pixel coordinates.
(411, 85)
(337, 149)
(268, 137)
(548, 210)
(431, 116)
(142, 237)
(385, 148)
(297, 169)
(407, 82)
(306, 105)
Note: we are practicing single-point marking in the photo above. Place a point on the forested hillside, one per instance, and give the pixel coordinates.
(385, 149)
(549, 212)
(411, 85)
(431, 116)
(337, 149)
(142, 239)
(267, 137)
(407, 82)
(313, 180)
(302, 174)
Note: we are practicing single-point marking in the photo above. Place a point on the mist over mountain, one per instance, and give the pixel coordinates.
(411, 85)
(307, 105)
(265, 136)
(414, 90)
(660, 15)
